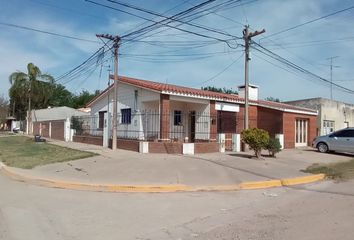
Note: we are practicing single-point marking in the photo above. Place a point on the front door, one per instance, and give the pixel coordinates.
(301, 127)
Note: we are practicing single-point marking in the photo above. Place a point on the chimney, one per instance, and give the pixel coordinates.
(252, 92)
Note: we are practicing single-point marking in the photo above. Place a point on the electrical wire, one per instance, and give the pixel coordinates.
(309, 22)
(46, 32)
(296, 67)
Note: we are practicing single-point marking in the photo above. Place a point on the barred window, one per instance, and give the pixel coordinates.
(126, 116)
(177, 117)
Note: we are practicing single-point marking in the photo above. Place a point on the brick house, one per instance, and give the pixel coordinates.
(164, 113)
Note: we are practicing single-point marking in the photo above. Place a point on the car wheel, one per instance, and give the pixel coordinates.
(322, 147)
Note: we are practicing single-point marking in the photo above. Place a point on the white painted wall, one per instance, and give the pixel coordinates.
(145, 100)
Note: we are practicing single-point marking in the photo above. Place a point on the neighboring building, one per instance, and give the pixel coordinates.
(155, 112)
(332, 115)
(54, 122)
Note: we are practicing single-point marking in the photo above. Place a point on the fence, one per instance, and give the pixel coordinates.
(150, 125)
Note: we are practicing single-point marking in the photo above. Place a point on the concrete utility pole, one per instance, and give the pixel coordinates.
(116, 41)
(247, 36)
(29, 114)
(331, 69)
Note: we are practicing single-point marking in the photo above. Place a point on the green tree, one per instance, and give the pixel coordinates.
(4, 107)
(61, 96)
(29, 90)
(221, 90)
(256, 138)
(83, 98)
(272, 99)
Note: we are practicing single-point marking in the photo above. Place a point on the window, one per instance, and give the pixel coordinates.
(177, 119)
(101, 119)
(328, 126)
(126, 116)
(345, 133)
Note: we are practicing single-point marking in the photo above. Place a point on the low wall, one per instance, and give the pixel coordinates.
(95, 140)
(126, 144)
(210, 147)
(154, 147)
(165, 147)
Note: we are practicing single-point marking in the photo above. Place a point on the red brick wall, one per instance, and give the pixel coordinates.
(270, 120)
(213, 125)
(58, 130)
(252, 118)
(289, 128)
(45, 129)
(165, 147)
(88, 139)
(131, 145)
(206, 147)
(164, 116)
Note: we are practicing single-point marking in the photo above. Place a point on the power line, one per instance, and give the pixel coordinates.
(308, 22)
(223, 70)
(296, 67)
(162, 16)
(46, 32)
(165, 24)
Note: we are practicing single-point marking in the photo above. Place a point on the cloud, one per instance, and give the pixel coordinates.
(58, 55)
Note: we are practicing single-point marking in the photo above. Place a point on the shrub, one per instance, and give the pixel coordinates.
(76, 124)
(256, 138)
(273, 146)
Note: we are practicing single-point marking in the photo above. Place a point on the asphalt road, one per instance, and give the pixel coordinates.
(318, 211)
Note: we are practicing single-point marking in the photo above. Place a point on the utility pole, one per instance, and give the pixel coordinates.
(29, 115)
(331, 72)
(247, 36)
(116, 41)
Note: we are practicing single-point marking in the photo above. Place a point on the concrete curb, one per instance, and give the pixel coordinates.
(156, 188)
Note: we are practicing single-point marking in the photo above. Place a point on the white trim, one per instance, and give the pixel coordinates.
(228, 107)
(186, 99)
(198, 96)
(288, 110)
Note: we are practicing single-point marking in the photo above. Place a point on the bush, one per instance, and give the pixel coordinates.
(76, 124)
(256, 138)
(273, 146)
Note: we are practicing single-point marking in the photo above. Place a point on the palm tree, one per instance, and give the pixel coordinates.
(30, 85)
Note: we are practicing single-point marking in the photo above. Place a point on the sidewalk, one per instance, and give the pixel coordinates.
(199, 171)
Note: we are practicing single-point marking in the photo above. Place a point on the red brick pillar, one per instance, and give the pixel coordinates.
(213, 121)
(312, 129)
(164, 117)
(240, 120)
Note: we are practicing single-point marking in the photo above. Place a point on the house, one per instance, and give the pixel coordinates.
(54, 122)
(170, 118)
(332, 115)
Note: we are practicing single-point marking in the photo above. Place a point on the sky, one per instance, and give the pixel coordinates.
(178, 57)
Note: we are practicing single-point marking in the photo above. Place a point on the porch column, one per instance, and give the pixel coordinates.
(164, 116)
(213, 121)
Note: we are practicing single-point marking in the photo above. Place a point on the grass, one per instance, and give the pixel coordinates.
(338, 171)
(23, 152)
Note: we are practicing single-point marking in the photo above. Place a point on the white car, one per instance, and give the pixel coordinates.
(339, 141)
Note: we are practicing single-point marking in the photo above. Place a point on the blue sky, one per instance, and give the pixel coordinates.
(309, 46)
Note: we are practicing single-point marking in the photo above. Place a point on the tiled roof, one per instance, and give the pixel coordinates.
(193, 92)
(170, 88)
